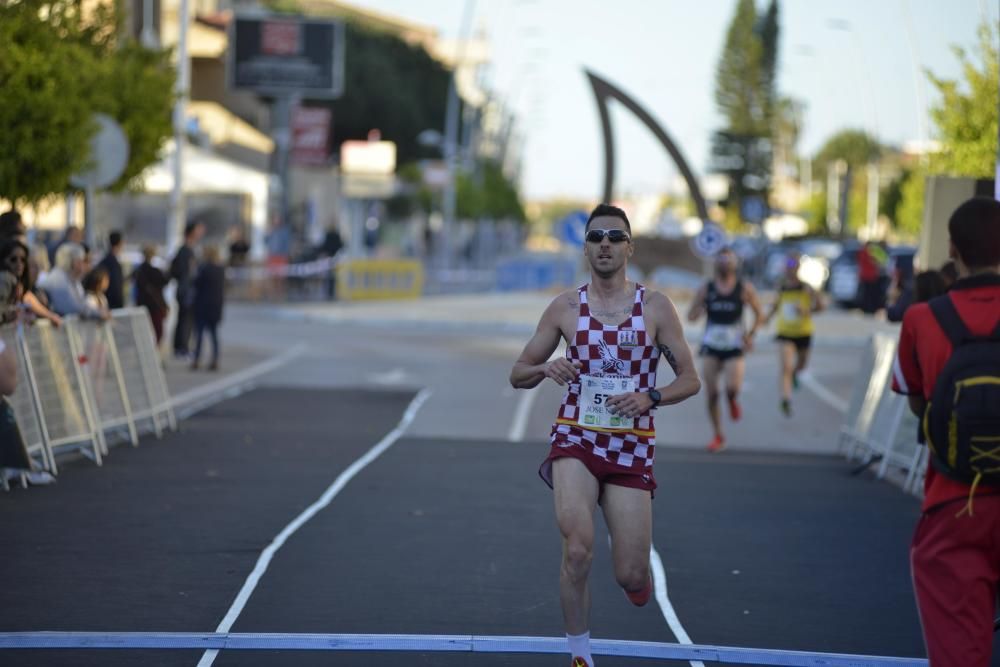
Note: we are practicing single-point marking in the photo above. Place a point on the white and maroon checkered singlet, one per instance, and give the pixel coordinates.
(604, 349)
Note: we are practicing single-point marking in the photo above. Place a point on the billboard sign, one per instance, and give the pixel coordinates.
(286, 55)
(368, 157)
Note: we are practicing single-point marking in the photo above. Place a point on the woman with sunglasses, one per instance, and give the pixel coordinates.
(603, 440)
(14, 257)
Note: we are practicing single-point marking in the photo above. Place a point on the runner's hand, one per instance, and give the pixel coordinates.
(562, 370)
(747, 342)
(630, 405)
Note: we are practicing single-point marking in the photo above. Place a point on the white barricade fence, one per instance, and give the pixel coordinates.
(141, 370)
(88, 381)
(879, 427)
(27, 405)
(58, 376)
(103, 375)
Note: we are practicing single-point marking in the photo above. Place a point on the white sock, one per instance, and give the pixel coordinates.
(579, 646)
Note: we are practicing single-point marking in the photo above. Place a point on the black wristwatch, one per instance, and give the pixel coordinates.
(655, 396)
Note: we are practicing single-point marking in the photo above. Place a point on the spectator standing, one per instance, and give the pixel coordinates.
(149, 284)
(332, 244)
(209, 295)
(239, 249)
(871, 262)
(116, 282)
(955, 554)
(182, 269)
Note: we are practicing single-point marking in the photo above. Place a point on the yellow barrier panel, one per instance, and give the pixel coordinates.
(372, 279)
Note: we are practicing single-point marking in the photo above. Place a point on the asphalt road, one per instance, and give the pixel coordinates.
(771, 544)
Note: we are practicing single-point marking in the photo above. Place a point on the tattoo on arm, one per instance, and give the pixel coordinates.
(671, 359)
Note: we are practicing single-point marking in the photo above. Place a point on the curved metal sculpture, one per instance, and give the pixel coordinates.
(602, 91)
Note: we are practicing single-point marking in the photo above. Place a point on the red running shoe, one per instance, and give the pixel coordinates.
(717, 445)
(579, 662)
(735, 411)
(640, 598)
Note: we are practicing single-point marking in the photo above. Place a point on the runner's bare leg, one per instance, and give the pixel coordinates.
(629, 515)
(576, 492)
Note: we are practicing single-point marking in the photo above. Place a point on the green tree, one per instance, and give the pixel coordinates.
(746, 96)
(966, 116)
(855, 147)
(769, 31)
(910, 212)
(739, 89)
(58, 67)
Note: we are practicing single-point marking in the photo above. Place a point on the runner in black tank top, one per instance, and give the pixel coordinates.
(722, 300)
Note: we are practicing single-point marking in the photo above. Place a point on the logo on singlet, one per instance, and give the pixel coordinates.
(628, 338)
(609, 363)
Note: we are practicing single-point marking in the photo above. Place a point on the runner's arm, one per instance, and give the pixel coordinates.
(817, 300)
(751, 299)
(533, 365)
(774, 309)
(697, 308)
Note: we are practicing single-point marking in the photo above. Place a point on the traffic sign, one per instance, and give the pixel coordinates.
(108, 154)
(753, 209)
(709, 241)
(570, 230)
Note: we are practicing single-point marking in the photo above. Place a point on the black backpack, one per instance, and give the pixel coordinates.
(962, 420)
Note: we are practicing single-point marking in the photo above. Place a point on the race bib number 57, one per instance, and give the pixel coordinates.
(594, 394)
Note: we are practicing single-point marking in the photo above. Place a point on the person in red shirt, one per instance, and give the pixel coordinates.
(955, 554)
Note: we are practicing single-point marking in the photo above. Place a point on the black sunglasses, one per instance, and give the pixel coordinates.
(614, 235)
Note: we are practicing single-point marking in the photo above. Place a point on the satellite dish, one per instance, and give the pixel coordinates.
(108, 155)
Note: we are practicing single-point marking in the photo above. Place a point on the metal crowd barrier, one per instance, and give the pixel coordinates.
(879, 427)
(87, 383)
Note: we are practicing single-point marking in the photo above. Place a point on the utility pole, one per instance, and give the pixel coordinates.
(177, 215)
(450, 146)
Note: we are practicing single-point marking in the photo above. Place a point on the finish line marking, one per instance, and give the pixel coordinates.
(241, 641)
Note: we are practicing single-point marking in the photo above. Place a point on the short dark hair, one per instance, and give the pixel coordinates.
(10, 223)
(974, 229)
(114, 238)
(607, 210)
(190, 227)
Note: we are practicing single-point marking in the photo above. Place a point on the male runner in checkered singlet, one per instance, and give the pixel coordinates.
(604, 438)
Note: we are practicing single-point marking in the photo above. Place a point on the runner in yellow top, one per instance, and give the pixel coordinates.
(794, 307)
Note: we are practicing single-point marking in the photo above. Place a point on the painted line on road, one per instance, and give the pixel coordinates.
(822, 393)
(247, 641)
(662, 599)
(338, 484)
(520, 422)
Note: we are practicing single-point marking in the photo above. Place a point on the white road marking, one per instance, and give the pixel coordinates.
(524, 405)
(822, 393)
(520, 422)
(265, 557)
(396, 376)
(660, 589)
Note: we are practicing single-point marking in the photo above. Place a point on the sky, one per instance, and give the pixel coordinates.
(855, 63)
